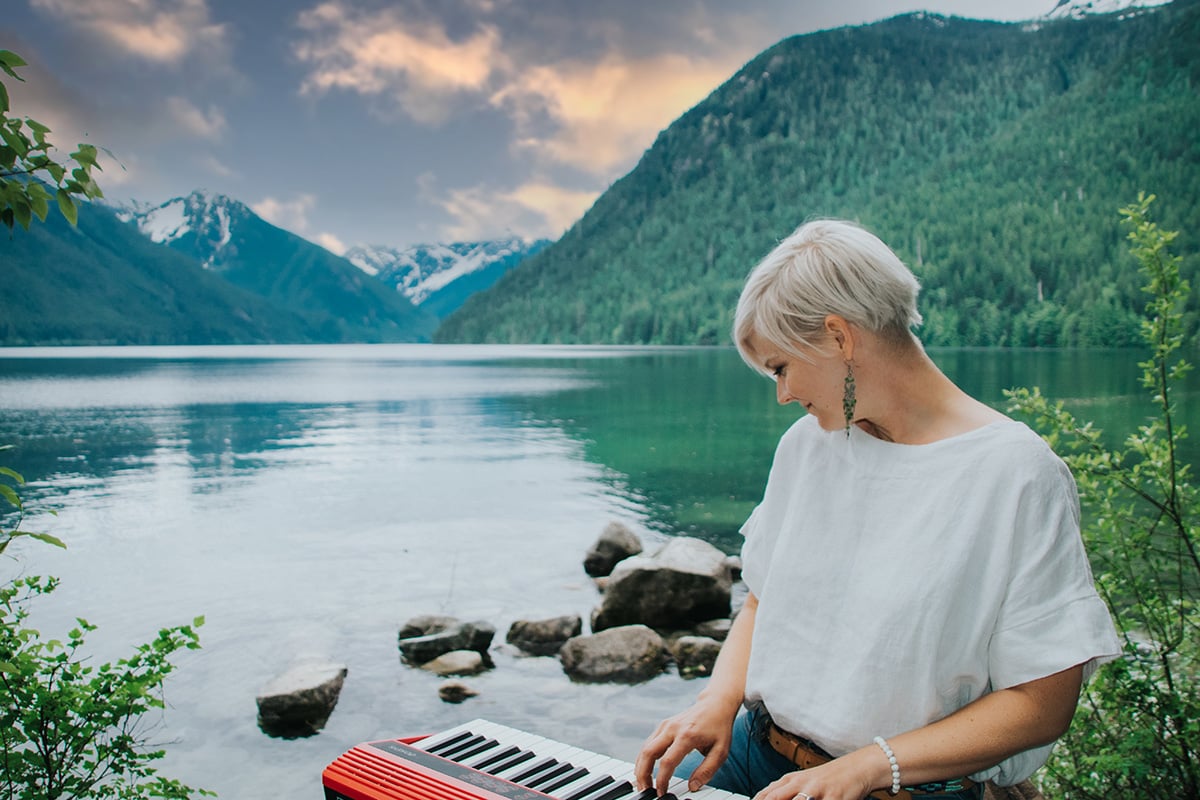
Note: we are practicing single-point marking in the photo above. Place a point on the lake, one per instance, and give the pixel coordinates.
(308, 500)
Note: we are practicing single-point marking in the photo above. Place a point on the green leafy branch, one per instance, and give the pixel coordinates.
(27, 166)
(1137, 730)
(68, 729)
(11, 479)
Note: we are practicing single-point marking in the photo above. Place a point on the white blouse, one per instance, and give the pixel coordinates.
(897, 583)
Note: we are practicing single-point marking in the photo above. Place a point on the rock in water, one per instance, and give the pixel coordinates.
(616, 543)
(544, 637)
(627, 654)
(298, 703)
(684, 583)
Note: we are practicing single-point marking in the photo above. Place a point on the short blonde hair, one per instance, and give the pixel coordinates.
(826, 266)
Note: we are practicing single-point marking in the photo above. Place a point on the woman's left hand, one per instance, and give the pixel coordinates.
(840, 779)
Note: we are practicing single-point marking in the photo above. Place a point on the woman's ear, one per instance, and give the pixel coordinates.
(841, 333)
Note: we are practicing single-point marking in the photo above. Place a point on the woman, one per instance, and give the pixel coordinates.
(921, 614)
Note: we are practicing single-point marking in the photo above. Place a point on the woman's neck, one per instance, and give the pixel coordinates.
(908, 400)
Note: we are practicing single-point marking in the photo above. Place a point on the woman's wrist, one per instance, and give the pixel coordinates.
(873, 764)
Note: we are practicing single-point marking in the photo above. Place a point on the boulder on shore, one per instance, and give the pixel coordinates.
(455, 692)
(424, 638)
(695, 655)
(298, 703)
(626, 654)
(616, 543)
(544, 637)
(686, 582)
(456, 662)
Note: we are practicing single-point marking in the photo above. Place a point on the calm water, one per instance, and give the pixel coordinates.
(309, 500)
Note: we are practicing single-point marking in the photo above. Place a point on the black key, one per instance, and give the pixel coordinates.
(440, 746)
(471, 752)
(541, 766)
(570, 777)
(547, 776)
(492, 758)
(591, 788)
(509, 763)
(451, 752)
(622, 789)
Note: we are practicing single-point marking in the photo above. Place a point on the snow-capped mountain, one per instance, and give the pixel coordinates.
(226, 237)
(201, 222)
(441, 276)
(1075, 9)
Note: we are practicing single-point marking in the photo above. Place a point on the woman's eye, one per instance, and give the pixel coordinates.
(777, 372)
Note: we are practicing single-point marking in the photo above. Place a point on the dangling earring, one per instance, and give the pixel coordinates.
(848, 399)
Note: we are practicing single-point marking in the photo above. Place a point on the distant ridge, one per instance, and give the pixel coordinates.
(440, 277)
(225, 236)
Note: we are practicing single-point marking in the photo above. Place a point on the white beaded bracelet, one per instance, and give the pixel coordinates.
(891, 757)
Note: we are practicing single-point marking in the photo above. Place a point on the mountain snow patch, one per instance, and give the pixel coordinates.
(1080, 8)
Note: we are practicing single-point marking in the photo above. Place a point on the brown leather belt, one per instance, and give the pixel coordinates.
(805, 755)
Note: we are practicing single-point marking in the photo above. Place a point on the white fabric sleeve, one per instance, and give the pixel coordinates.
(1051, 618)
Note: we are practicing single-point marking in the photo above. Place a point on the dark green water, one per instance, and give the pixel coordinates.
(691, 433)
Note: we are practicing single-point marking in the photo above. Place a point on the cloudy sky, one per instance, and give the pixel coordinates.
(396, 122)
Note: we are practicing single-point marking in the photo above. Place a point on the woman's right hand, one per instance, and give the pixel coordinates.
(706, 727)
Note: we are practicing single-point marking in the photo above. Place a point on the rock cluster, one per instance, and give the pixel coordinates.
(670, 606)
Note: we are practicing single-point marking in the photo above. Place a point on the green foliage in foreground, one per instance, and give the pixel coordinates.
(1137, 730)
(68, 729)
(27, 167)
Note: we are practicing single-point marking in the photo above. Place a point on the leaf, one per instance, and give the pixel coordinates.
(23, 212)
(15, 140)
(67, 206)
(12, 473)
(9, 61)
(48, 539)
(10, 494)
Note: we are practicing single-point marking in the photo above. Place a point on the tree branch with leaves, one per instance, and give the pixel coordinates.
(30, 177)
(1137, 730)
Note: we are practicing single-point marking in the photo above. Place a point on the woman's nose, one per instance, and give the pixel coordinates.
(782, 395)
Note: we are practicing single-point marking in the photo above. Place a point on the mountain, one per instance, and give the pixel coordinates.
(993, 157)
(1081, 8)
(102, 282)
(335, 297)
(440, 277)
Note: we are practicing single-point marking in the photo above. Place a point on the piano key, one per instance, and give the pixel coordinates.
(591, 769)
(556, 771)
(593, 786)
(509, 763)
(563, 780)
(621, 790)
(493, 756)
(441, 744)
(486, 746)
(452, 752)
(547, 753)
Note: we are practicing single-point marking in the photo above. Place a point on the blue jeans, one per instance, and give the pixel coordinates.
(753, 763)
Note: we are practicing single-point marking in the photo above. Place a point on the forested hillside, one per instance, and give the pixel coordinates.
(992, 156)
